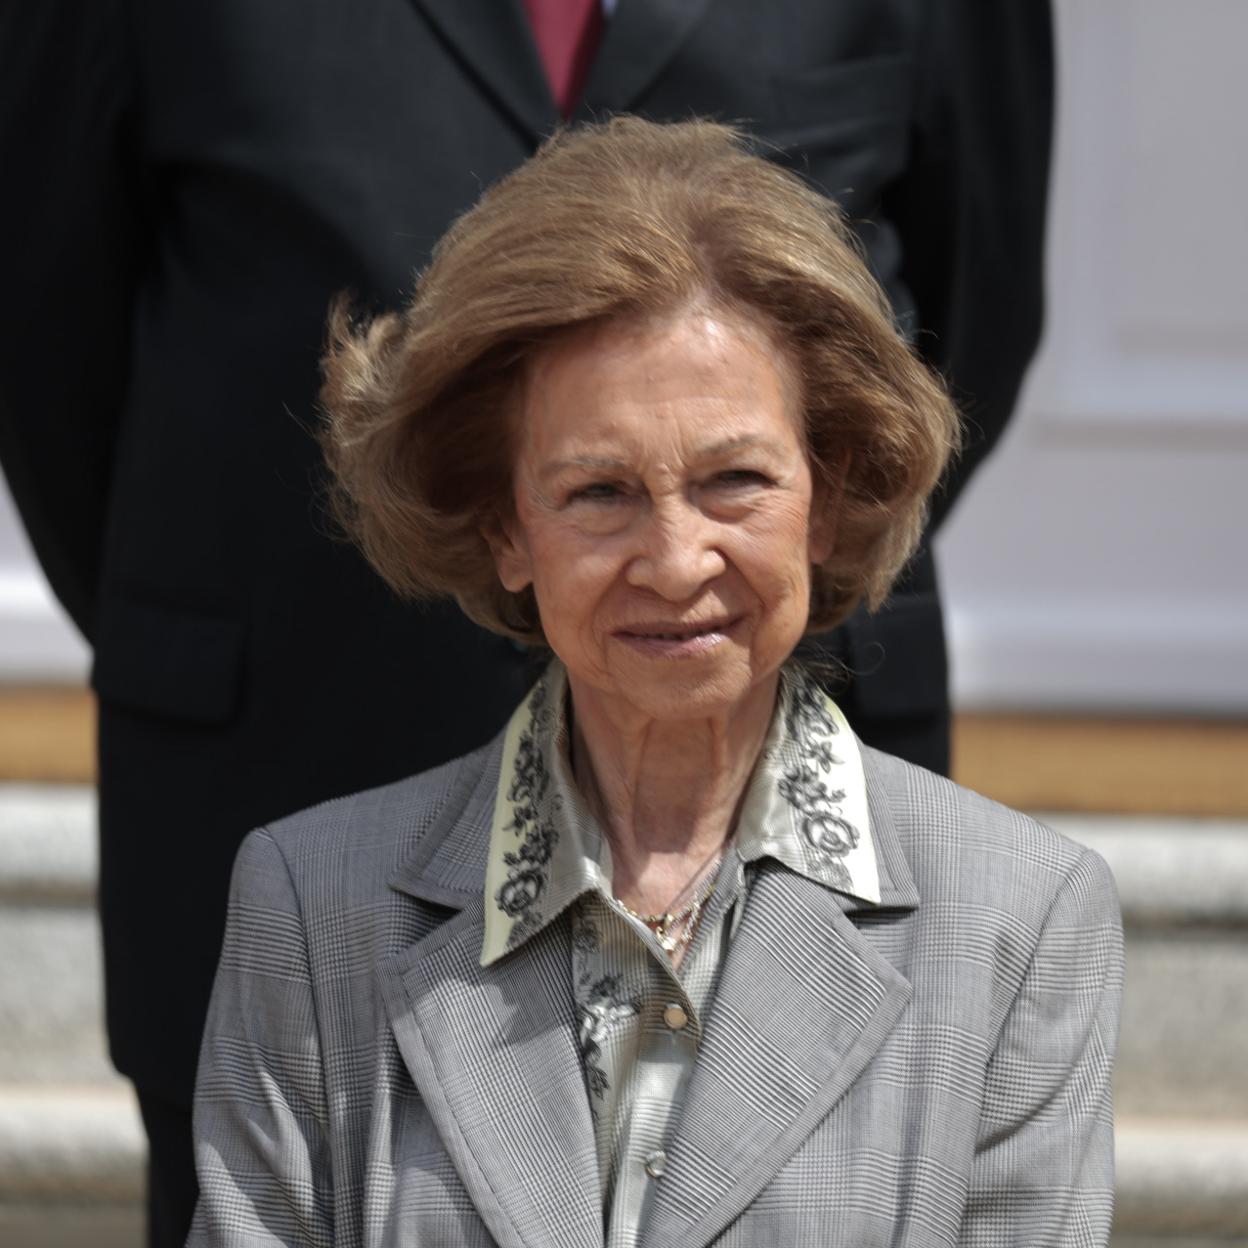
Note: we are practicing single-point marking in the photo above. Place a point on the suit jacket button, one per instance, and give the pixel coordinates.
(656, 1164)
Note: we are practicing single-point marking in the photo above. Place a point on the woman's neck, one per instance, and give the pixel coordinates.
(666, 793)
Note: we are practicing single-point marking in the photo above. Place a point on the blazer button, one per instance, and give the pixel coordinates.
(675, 1017)
(656, 1164)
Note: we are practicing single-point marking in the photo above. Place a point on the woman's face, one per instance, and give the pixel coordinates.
(663, 512)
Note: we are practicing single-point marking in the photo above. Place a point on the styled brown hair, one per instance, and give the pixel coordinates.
(621, 221)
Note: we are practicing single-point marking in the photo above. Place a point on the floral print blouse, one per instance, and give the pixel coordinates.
(641, 1021)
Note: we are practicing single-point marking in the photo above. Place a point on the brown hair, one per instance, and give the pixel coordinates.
(611, 222)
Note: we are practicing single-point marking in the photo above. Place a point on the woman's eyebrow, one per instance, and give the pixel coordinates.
(741, 441)
(607, 463)
(601, 463)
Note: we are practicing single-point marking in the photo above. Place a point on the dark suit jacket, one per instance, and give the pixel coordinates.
(934, 1070)
(189, 184)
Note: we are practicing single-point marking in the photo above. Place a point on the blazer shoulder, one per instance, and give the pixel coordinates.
(962, 846)
(361, 837)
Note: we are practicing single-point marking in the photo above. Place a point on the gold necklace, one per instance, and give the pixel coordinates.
(685, 917)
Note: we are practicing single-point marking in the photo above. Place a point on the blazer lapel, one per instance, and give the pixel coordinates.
(640, 38)
(492, 1050)
(496, 45)
(803, 1004)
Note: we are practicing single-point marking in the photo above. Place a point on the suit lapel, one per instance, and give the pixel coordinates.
(496, 45)
(498, 50)
(640, 39)
(803, 1003)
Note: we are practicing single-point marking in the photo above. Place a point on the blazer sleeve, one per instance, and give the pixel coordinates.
(70, 221)
(971, 208)
(1043, 1173)
(261, 1120)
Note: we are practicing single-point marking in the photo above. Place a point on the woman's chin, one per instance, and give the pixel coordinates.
(682, 681)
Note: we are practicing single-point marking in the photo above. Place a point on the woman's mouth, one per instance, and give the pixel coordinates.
(676, 640)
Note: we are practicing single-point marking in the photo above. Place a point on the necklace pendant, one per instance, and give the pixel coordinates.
(667, 942)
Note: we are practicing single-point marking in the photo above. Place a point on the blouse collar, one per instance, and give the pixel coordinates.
(806, 807)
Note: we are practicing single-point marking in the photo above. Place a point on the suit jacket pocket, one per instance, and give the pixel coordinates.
(168, 661)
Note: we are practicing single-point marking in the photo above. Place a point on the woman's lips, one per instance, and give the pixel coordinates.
(676, 640)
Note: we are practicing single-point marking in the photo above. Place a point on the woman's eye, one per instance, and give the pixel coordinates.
(598, 492)
(740, 477)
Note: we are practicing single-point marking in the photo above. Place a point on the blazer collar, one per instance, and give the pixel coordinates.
(448, 864)
(897, 887)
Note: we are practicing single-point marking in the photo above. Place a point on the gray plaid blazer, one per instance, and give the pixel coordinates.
(931, 1071)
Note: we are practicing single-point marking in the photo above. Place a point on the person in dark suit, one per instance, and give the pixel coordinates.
(190, 185)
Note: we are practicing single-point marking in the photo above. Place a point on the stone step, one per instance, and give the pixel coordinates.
(71, 1167)
(1183, 1046)
(1171, 873)
(70, 1144)
(47, 843)
(1182, 1177)
(51, 1004)
(64, 1149)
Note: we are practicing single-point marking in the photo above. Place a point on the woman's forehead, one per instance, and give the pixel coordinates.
(722, 325)
(700, 377)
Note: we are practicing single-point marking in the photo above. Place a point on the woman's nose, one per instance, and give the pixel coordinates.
(678, 551)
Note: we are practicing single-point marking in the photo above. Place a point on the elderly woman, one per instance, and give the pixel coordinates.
(675, 960)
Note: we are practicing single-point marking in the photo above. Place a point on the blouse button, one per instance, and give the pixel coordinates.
(656, 1163)
(675, 1017)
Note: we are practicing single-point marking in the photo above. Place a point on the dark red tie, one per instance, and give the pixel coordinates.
(567, 34)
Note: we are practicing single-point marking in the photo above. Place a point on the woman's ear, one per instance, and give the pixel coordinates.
(510, 548)
(825, 509)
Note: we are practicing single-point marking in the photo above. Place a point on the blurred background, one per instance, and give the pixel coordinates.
(1097, 588)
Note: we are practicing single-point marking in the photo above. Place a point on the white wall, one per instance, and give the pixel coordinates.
(37, 641)
(1098, 561)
